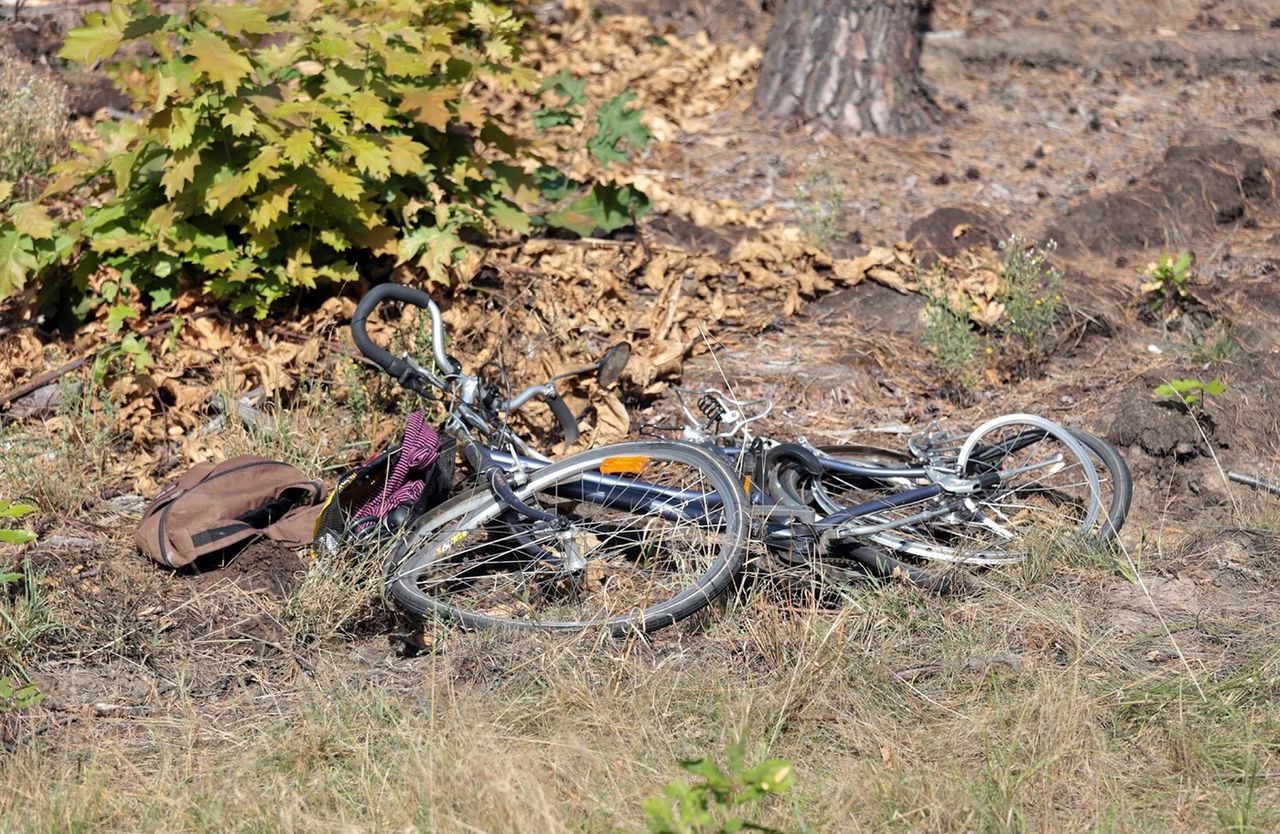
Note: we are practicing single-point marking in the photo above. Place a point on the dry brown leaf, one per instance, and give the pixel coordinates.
(612, 421)
(891, 279)
(656, 273)
(755, 249)
(850, 271)
(663, 315)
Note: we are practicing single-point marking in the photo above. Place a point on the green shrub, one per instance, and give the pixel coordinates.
(1031, 294)
(34, 104)
(289, 145)
(949, 333)
(721, 800)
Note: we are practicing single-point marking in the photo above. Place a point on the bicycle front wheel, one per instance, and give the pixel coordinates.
(1042, 488)
(641, 535)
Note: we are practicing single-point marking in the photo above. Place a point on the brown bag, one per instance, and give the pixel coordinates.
(215, 507)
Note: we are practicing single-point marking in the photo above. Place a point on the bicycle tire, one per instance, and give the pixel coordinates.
(472, 527)
(1117, 476)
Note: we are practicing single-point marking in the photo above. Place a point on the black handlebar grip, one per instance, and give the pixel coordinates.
(396, 367)
(566, 418)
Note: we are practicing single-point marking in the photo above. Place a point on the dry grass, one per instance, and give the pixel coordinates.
(35, 107)
(1024, 707)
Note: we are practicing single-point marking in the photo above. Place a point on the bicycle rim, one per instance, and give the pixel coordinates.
(1047, 492)
(651, 533)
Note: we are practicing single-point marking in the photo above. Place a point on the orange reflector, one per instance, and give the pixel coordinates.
(746, 485)
(624, 465)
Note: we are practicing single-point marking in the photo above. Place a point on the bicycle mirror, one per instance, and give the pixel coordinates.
(612, 364)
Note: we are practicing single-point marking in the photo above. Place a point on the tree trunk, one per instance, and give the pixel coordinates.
(852, 66)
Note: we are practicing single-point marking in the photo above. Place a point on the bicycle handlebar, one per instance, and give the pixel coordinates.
(399, 368)
(402, 369)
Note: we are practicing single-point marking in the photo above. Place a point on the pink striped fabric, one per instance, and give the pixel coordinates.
(418, 452)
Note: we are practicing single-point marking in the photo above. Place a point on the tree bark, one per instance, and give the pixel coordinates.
(852, 66)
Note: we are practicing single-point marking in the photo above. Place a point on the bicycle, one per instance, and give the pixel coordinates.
(975, 499)
(636, 536)
(629, 537)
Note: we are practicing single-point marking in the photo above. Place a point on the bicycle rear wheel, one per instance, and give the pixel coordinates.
(644, 535)
(1114, 479)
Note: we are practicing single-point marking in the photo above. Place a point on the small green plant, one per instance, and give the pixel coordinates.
(820, 206)
(13, 695)
(24, 619)
(1168, 279)
(949, 334)
(13, 509)
(1031, 292)
(1188, 392)
(289, 146)
(34, 102)
(720, 800)
(16, 696)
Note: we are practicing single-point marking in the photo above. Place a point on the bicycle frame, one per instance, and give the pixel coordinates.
(477, 408)
(673, 503)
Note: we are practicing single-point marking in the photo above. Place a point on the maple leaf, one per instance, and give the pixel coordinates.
(616, 125)
(237, 19)
(97, 40)
(369, 109)
(181, 170)
(340, 182)
(405, 155)
(31, 220)
(380, 240)
(368, 157)
(239, 117)
(17, 261)
(225, 190)
(298, 146)
(182, 127)
(267, 208)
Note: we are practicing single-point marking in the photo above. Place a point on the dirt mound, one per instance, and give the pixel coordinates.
(1159, 429)
(1194, 189)
(265, 566)
(949, 230)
